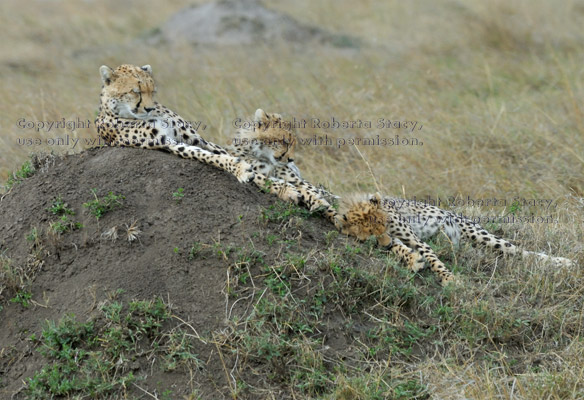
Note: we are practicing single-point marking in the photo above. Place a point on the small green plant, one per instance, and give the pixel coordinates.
(64, 225)
(112, 311)
(515, 208)
(33, 235)
(410, 389)
(99, 207)
(350, 250)
(281, 211)
(59, 207)
(267, 186)
(179, 351)
(223, 251)
(178, 195)
(330, 237)
(25, 171)
(114, 294)
(23, 298)
(277, 280)
(194, 251)
(297, 261)
(271, 238)
(249, 256)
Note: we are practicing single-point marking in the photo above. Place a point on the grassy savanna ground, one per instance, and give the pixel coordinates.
(497, 86)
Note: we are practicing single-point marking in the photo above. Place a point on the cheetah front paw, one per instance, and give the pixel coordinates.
(244, 172)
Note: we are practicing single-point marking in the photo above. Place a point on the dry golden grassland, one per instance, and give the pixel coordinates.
(497, 87)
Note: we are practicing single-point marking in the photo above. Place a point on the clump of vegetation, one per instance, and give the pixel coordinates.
(99, 207)
(33, 235)
(281, 211)
(282, 337)
(93, 358)
(178, 195)
(26, 171)
(16, 277)
(63, 224)
(23, 298)
(194, 250)
(59, 207)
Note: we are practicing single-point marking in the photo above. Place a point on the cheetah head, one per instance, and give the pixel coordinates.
(269, 133)
(127, 91)
(363, 216)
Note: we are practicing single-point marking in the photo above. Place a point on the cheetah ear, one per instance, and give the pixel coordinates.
(147, 68)
(260, 116)
(375, 199)
(106, 74)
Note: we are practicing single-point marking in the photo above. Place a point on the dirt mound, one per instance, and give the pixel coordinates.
(190, 285)
(236, 22)
(211, 247)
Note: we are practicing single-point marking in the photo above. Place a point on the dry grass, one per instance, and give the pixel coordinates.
(497, 86)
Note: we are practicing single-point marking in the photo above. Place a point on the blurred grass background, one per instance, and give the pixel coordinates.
(497, 86)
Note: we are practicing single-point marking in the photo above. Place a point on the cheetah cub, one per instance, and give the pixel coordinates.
(401, 226)
(268, 144)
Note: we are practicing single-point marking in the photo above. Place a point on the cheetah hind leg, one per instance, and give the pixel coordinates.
(479, 235)
(414, 260)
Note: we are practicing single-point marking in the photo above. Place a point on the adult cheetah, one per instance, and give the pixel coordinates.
(128, 116)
